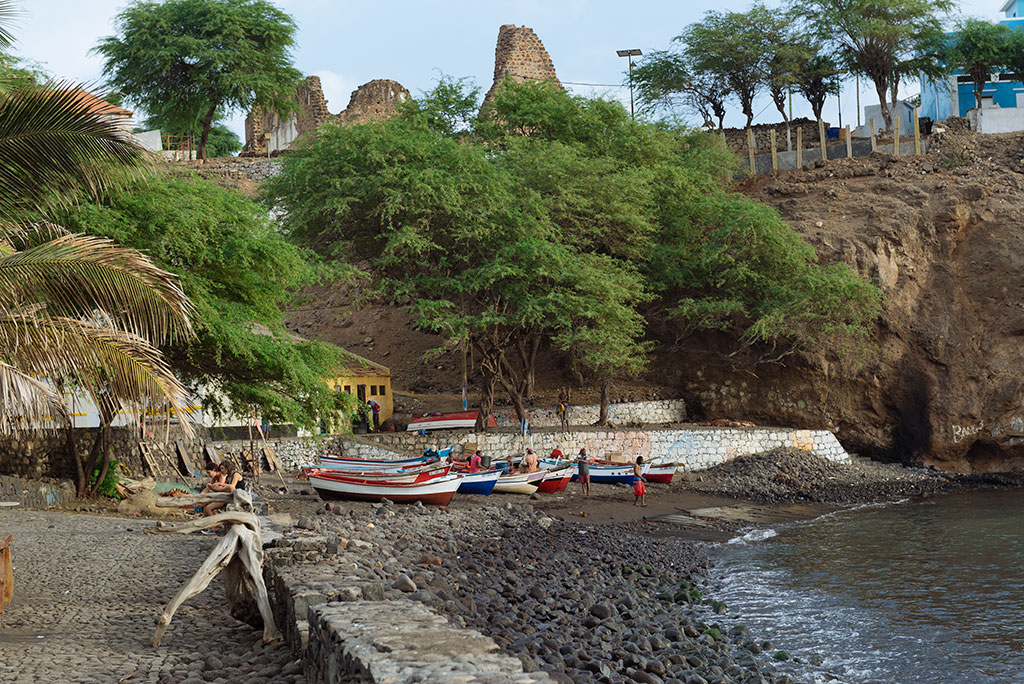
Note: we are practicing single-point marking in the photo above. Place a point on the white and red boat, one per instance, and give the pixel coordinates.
(342, 463)
(556, 480)
(436, 491)
(661, 472)
(408, 475)
(446, 421)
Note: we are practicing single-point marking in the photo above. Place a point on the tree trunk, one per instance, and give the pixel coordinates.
(105, 465)
(486, 398)
(81, 482)
(606, 385)
(106, 418)
(511, 388)
(883, 103)
(207, 124)
(528, 357)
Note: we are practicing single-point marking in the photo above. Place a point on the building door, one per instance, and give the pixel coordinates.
(361, 392)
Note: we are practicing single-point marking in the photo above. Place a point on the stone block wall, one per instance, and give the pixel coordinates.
(374, 101)
(36, 495)
(265, 127)
(692, 447)
(627, 413)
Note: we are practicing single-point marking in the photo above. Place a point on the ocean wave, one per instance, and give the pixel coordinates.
(754, 536)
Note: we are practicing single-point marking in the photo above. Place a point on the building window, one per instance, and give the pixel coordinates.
(373, 390)
(348, 388)
(382, 391)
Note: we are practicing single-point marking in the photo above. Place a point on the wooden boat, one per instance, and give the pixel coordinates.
(446, 421)
(601, 472)
(518, 484)
(555, 480)
(355, 471)
(375, 463)
(411, 475)
(479, 483)
(437, 491)
(661, 472)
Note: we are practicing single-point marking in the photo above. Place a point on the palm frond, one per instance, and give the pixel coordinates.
(112, 366)
(26, 403)
(83, 276)
(8, 13)
(54, 143)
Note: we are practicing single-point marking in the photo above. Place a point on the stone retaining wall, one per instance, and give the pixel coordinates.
(628, 413)
(694, 447)
(36, 495)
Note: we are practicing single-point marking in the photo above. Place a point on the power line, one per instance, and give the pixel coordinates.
(600, 85)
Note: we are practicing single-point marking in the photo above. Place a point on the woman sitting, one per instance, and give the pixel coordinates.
(232, 480)
(215, 475)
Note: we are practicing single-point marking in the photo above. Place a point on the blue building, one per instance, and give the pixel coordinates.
(955, 96)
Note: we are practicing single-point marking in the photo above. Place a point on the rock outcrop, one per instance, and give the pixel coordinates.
(941, 236)
(521, 56)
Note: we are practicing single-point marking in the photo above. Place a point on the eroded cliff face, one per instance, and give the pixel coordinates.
(942, 235)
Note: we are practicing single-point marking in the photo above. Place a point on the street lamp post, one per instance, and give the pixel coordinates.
(630, 54)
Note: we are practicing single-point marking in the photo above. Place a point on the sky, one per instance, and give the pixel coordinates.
(350, 42)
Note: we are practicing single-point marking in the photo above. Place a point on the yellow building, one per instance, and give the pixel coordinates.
(368, 381)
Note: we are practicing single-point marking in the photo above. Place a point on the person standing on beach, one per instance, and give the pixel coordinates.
(530, 462)
(639, 490)
(562, 410)
(583, 474)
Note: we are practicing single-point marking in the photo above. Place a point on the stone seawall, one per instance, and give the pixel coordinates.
(628, 413)
(692, 447)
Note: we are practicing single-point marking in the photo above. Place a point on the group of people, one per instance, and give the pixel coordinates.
(223, 478)
(530, 463)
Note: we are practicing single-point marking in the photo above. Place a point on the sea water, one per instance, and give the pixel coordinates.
(922, 591)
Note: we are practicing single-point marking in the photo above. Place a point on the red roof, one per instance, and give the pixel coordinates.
(97, 104)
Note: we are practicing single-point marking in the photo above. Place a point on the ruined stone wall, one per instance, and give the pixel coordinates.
(374, 101)
(521, 56)
(267, 131)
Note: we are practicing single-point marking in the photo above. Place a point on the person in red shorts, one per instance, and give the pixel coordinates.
(639, 490)
(583, 475)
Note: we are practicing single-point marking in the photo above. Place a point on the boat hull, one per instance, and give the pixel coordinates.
(661, 473)
(525, 483)
(438, 492)
(555, 481)
(479, 483)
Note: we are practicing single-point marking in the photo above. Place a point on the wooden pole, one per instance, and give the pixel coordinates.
(800, 147)
(895, 136)
(821, 140)
(775, 159)
(874, 147)
(917, 134)
(858, 100)
(750, 150)
(722, 134)
(849, 143)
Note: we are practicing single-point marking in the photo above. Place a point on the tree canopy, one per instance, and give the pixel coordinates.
(186, 61)
(980, 48)
(888, 41)
(221, 142)
(240, 273)
(556, 222)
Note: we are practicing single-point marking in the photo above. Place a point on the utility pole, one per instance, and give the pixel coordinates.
(630, 54)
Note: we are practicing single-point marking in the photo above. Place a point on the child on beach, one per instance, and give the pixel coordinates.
(583, 475)
(639, 490)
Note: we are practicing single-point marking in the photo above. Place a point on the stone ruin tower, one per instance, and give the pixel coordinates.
(521, 56)
(374, 101)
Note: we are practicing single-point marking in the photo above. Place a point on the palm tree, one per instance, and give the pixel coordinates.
(76, 312)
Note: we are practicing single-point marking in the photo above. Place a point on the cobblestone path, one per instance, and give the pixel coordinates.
(87, 592)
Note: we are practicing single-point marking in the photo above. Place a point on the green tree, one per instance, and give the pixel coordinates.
(817, 77)
(888, 41)
(241, 274)
(979, 48)
(76, 312)
(186, 61)
(491, 239)
(667, 80)
(551, 224)
(734, 46)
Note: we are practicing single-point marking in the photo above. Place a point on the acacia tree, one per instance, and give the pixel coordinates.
(241, 274)
(979, 48)
(667, 80)
(885, 40)
(733, 45)
(186, 61)
(817, 77)
(785, 53)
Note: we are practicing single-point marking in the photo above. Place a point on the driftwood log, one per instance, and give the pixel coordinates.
(6, 574)
(240, 552)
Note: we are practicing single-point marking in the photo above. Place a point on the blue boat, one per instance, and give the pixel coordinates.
(479, 483)
(599, 474)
